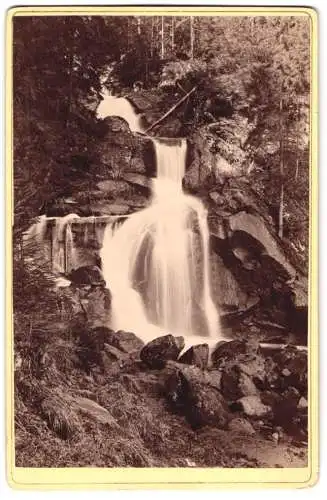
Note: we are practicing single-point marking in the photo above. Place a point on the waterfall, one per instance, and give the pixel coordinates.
(63, 248)
(119, 106)
(149, 261)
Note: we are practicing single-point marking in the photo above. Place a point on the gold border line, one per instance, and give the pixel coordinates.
(165, 478)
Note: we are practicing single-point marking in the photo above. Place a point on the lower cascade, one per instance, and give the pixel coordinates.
(156, 263)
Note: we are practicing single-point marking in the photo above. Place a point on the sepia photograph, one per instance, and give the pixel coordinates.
(161, 240)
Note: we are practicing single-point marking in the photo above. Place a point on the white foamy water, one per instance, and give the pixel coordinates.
(119, 106)
(149, 261)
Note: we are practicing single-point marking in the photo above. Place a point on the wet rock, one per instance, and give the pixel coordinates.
(195, 394)
(156, 353)
(241, 426)
(138, 179)
(116, 124)
(197, 355)
(196, 176)
(252, 406)
(124, 341)
(87, 275)
(228, 350)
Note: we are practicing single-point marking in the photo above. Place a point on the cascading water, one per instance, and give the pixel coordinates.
(149, 262)
(119, 106)
(62, 243)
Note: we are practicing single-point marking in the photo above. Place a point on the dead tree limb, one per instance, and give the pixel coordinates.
(170, 110)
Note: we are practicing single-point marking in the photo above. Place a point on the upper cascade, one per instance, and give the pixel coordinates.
(119, 106)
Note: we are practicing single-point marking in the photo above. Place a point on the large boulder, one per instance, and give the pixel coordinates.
(156, 353)
(252, 406)
(113, 125)
(197, 355)
(228, 350)
(195, 394)
(236, 384)
(244, 370)
(87, 275)
(126, 342)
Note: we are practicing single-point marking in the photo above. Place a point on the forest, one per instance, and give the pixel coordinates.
(237, 89)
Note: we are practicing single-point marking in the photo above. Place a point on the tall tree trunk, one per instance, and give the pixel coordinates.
(152, 37)
(172, 35)
(70, 91)
(281, 171)
(191, 37)
(162, 37)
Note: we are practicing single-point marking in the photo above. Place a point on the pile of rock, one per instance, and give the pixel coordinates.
(239, 387)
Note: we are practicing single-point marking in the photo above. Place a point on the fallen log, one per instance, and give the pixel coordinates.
(279, 347)
(170, 110)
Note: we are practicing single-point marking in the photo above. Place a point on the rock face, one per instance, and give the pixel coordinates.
(197, 355)
(121, 151)
(156, 353)
(248, 258)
